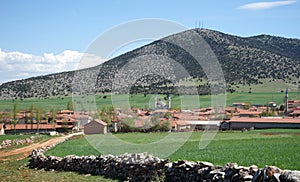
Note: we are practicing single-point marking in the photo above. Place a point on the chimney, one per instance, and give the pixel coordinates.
(169, 102)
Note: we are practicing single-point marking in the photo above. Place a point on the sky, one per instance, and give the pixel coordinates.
(39, 37)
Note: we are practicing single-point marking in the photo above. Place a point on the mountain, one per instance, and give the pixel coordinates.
(153, 68)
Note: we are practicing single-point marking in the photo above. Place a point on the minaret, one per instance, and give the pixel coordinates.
(169, 102)
(286, 100)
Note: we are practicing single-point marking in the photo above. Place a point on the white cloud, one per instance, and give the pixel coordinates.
(17, 65)
(266, 5)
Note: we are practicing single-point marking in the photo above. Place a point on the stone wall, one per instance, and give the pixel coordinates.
(146, 167)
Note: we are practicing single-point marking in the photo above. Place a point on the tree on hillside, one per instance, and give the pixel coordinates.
(15, 112)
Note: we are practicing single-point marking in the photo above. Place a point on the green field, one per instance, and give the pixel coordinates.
(141, 101)
(279, 147)
(17, 171)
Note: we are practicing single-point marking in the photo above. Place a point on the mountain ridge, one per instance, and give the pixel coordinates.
(244, 60)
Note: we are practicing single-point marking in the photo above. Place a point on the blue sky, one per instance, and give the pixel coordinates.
(55, 33)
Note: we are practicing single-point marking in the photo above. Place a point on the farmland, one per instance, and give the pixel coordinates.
(17, 171)
(142, 101)
(277, 147)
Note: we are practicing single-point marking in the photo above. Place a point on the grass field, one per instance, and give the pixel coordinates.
(278, 147)
(17, 171)
(140, 101)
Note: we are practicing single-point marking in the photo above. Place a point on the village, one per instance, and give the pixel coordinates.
(239, 116)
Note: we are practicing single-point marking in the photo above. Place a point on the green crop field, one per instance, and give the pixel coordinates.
(141, 101)
(279, 147)
(17, 171)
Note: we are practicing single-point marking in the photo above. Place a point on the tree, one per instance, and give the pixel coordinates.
(38, 119)
(53, 120)
(31, 109)
(168, 115)
(26, 121)
(15, 112)
(46, 117)
(113, 114)
(107, 113)
(155, 121)
(128, 125)
(8, 117)
(165, 126)
(65, 124)
(70, 105)
(1, 118)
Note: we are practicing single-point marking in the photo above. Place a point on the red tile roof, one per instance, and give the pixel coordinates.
(100, 122)
(34, 126)
(65, 112)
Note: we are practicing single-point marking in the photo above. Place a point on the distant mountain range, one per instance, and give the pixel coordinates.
(244, 61)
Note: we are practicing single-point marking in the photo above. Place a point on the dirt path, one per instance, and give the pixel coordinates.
(21, 153)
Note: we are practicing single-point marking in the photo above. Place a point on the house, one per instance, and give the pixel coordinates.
(272, 104)
(65, 112)
(2, 129)
(241, 105)
(247, 113)
(95, 127)
(181, 125)
(293, 103)
(33, 128)
(263, 123)
(295, 113)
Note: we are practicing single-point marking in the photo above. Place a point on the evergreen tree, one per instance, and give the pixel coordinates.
(15, 112)
(70, 105)
(31, 109)
(53, 120)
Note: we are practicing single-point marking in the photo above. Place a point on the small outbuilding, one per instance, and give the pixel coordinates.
(95, 127)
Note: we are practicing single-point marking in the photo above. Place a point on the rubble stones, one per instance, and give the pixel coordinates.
(146, 167)
(290, 176)
(7, 143)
